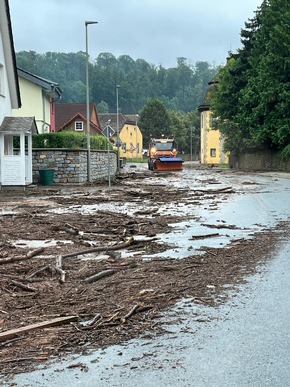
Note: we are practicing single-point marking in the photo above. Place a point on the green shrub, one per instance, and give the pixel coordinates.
(69, 140)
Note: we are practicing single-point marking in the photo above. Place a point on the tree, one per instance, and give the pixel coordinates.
(181, 88)
(154, 120)
(178, 129)
(102, 107)
(192, 127)
(252, 100)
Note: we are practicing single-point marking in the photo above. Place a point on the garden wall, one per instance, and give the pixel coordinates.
(259, 161)
(70, 166)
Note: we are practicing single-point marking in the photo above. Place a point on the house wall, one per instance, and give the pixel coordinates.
(132, 141)
(211, 151)
(5, 100)
(34, 104)
(70, 166)
(71, 127)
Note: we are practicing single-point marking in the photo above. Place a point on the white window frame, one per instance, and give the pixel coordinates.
(79, 126)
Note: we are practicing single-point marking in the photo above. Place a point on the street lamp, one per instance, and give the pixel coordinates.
(118, 130)
(190, 143)
(88, 104)
(108, 149)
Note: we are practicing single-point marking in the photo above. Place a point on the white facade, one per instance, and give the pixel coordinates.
(5, 100)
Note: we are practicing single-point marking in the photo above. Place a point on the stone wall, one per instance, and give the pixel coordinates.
(259, 161)
(70, 166)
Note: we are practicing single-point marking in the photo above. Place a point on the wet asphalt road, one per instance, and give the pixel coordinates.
(243, 343)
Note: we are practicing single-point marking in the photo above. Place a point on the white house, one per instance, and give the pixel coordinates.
(15, 132)
(9, 87)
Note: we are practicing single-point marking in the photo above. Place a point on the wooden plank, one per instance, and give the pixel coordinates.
(8, 335)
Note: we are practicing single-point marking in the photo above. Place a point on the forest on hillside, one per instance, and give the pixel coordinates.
(181, 88)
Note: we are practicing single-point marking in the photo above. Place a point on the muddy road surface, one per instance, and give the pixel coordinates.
(86, 268)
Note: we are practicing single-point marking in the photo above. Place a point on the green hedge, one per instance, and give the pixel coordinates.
(68, 140)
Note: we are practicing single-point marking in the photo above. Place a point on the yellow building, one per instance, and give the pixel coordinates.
(131, 138)
(211, 140)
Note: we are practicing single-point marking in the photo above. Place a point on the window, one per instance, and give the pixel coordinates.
(79, 126)
(123, 147)
(213, 152)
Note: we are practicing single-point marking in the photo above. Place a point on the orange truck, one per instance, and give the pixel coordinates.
(162, 155)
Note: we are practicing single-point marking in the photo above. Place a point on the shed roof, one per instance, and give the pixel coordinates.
(19, 125)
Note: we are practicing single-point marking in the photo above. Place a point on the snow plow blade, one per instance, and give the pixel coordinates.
(168, 164)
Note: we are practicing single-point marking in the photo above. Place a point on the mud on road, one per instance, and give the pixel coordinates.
(77, 260)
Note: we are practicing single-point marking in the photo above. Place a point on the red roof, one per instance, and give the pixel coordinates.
(66, 112)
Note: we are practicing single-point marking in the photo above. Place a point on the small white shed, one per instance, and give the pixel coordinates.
(16, 150)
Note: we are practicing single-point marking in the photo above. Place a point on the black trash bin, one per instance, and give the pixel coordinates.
(46, 176)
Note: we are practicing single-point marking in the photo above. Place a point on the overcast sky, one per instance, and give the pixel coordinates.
(158, 31)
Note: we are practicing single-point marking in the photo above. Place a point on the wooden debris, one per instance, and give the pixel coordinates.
(47, 267)
(8, 335)
(62, 274)
(29, 255)
(194, 237)
(58, 268)
(216, 191)
(67, 228)
(101, 248)
(22, 286)
(146, 211)
(91, 322)
(98, 276)
(113, 254)
(131, 312)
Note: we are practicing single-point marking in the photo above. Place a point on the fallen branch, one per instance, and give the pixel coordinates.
(29, 255)
(216, 191)
(146, 212)
(22, 286)
(58, 268)
(101, 248)
(62, 274)
(194, 237)
(113, 254)
(128, 315)
(93, 321)
(67, 228)
(8, 335)
(47, 267)
(98, 276)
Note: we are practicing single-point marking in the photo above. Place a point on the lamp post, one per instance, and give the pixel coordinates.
(108, 148)
(190, 143)
(118, 130)
(88, 104)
